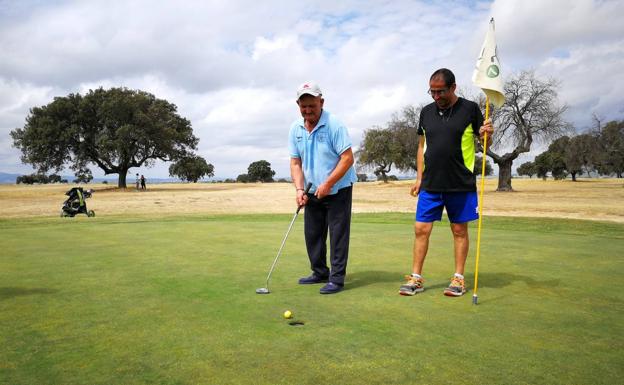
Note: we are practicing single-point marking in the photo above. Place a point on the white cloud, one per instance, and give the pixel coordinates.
(232, 67)
(16, 99)
(537, 28)
(264, 46)
(590, 84)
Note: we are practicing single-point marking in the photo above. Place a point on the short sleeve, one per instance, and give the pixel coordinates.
(292, 144)
(341, 140)
(421, 128)
(478, 120)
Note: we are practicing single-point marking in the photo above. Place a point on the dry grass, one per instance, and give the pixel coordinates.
(596, 199)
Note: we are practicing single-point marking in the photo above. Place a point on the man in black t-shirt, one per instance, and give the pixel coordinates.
(448, 129)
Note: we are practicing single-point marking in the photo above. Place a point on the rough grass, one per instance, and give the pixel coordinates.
(597, 199)
(135, 300)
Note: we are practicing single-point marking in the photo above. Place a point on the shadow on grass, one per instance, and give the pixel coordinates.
(10, 292)
(500, 280)
(489, 280)
(363, 278)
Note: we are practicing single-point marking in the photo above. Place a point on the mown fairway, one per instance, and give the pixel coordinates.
(172, 301)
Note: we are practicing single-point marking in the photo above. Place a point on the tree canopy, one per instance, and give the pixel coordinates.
(114, 129)
(588, 152)
(381, 148)
(260, 171)
(542, 164)
(39, 178)
(378, 152)
(191, 169)
(610, 148)
(579, 154)
(242, 178)
(479, 163)
(531, 113)
(527, 168)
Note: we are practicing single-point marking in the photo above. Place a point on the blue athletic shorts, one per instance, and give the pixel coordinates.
(461, 207)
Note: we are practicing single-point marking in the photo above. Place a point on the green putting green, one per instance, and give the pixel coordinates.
(172, 301)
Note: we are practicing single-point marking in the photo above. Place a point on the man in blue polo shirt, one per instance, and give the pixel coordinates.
(320, 153)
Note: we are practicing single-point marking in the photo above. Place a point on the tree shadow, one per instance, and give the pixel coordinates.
(10, 292)
(363, 278)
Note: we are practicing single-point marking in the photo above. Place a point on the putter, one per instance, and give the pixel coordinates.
(265, 290)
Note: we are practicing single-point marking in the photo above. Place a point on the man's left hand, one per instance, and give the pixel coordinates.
(487, 127)
(323, 190)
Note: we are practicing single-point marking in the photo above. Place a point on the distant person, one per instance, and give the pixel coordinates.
(138, 182)
(321, 154)
(142, 182)
(445, 179)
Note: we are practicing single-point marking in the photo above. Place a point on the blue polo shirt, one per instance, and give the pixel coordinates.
(320, 150)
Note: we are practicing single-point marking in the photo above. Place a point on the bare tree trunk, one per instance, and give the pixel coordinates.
(504, 163)
(383, 170)
(121, 182)
(504, 175)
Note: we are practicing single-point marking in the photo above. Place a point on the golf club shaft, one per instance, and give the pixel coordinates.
(281, 247)
(292, 222)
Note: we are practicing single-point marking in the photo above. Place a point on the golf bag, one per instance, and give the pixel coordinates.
(76, 203)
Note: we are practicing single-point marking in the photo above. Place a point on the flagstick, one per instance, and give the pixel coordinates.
(475, 298)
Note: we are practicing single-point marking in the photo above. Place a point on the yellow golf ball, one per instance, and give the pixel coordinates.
(288, 314)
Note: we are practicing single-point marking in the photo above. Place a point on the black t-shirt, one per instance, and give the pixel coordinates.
(450, 146)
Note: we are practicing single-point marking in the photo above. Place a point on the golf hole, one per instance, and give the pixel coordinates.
(296, 323)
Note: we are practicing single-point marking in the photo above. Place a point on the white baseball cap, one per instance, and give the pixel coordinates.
(309, 88)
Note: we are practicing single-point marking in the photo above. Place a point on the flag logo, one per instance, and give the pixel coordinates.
(493, 71)
(487, 72)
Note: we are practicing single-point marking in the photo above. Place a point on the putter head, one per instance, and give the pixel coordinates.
(475, 299)
(262, 290)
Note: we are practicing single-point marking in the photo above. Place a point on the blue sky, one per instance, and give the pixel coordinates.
(232, 67)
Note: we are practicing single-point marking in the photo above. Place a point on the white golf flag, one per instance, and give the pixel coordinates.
(487, 73)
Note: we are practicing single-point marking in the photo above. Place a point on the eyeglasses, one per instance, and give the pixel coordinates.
(441, 92)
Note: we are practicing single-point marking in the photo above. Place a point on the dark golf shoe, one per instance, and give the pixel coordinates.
(311, 280)
(331, 288)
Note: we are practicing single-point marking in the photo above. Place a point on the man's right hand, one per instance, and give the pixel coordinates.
(415, 189)
(302, 198)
